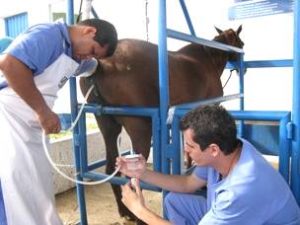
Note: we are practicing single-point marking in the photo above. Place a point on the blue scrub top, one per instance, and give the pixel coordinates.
(253, 193)
(40, 46)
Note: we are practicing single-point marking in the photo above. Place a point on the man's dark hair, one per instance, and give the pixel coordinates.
(212, 124)
(106, 33)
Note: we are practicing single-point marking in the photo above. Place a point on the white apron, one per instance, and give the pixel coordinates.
(25, 172)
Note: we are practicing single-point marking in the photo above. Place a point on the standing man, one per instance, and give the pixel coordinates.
(33, 68)
(242, 187)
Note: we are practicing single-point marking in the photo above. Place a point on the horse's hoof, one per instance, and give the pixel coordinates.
(128, 221)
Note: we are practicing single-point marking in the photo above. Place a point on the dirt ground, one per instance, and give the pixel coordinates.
(101, 206)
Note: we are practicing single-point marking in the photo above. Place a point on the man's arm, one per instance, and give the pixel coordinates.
(133, 199)
(174, 183)
(151, 218)
(20, 79)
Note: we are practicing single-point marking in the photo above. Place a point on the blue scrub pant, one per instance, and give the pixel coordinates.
(2, 208)
(184, 209)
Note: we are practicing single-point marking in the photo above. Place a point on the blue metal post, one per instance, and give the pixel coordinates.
(187, 17)
(163, 82)
(241, 67)
(74, 111)
(295, 179)
(163, 86)
(284, 148)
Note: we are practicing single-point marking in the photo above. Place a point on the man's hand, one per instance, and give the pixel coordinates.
(132, 197)
(126, 166)
(49, 121)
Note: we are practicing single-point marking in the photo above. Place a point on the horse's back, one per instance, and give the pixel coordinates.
(130, 76)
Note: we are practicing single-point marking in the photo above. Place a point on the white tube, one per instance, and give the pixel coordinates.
(55, 166)
(70, 178)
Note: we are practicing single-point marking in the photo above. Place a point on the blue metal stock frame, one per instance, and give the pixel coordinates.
(166, 137)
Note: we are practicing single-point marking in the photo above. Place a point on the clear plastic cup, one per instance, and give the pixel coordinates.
(132, 161)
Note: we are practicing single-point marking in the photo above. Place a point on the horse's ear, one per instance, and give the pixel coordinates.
(238, 31)
(218, 30)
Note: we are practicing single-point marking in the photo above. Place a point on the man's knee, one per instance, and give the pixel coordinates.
(171, 199)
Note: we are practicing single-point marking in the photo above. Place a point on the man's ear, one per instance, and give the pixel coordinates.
(214, 150)
(89, 30)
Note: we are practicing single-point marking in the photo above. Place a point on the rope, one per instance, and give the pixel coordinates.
(147, 20)
(79, 12)
(228, 78)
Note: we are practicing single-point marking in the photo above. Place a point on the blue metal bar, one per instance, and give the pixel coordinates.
(213, 44)
(262, 64)
(295, 179)
(259, 115)
(163, 81)
(249, 115)
(156, 142)
(241, 71)
(137, 111)
(231, 65)
(269, 63)
(118, 180)
(284, 148)
(208, 101)
(176, 155)
(74, 103)
(189, 106)
(187, 17)
(163, 85)
(83, 143)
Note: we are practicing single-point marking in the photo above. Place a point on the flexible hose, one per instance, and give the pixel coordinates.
(55, 166)
(70, 178)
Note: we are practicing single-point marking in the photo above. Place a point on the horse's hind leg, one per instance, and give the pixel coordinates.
(140, 131)
(110, 130)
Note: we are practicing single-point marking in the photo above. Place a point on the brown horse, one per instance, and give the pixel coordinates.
(130, 78)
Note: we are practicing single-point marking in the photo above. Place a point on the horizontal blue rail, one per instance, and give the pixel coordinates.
(117, 180)
(262, 64)
(126, 110)
(210, 43)
(269, 63)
